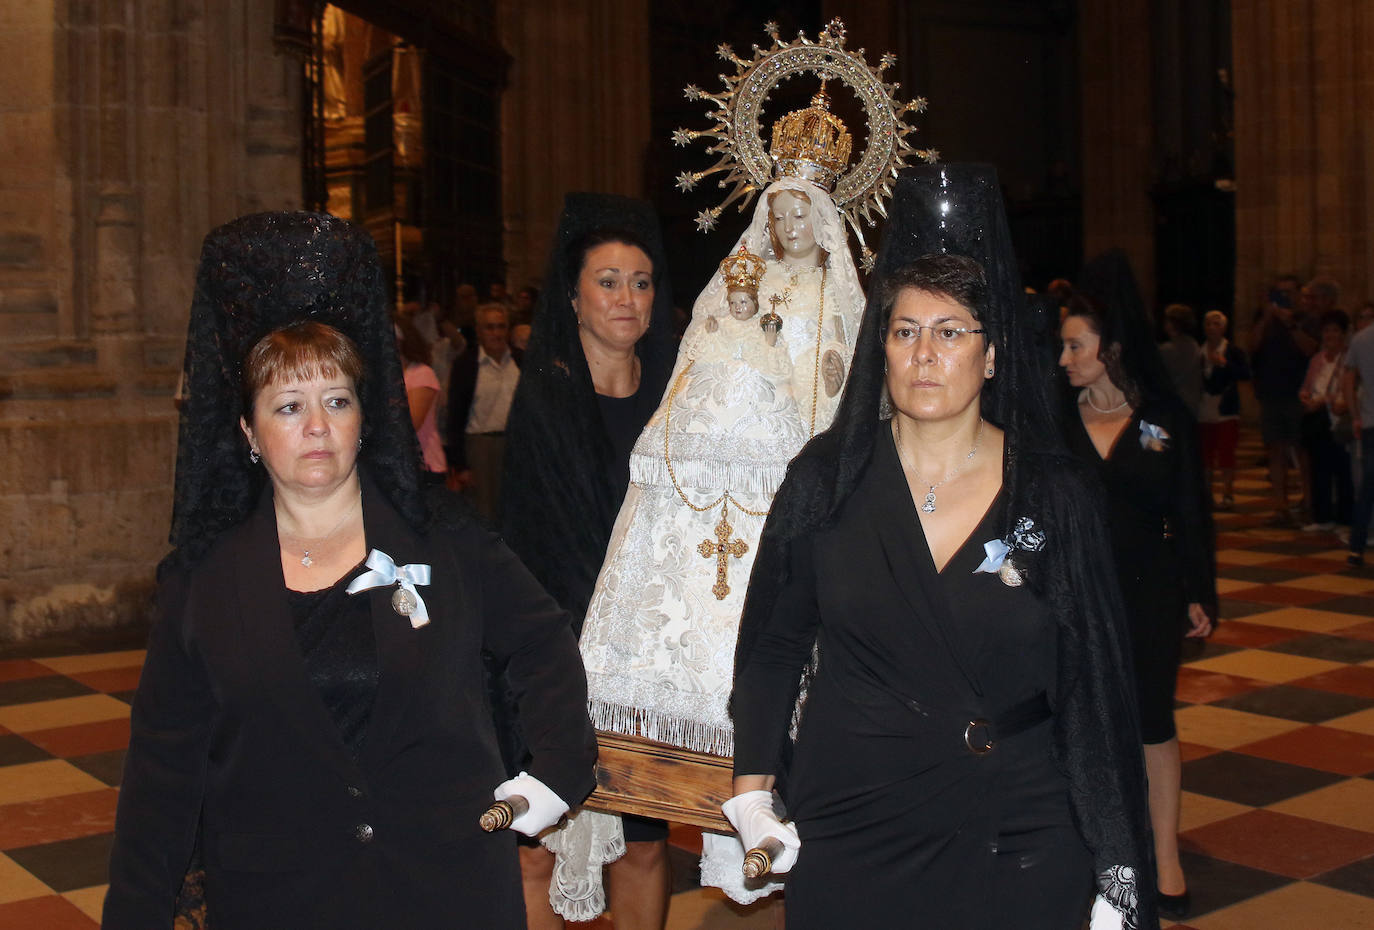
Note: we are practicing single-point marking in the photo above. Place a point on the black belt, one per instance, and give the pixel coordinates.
(981, 734)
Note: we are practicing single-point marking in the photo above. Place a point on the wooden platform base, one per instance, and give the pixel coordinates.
(639, 776)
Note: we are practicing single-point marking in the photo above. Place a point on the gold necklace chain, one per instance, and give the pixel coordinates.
(726, 497)
(668, 461)
(816, 375)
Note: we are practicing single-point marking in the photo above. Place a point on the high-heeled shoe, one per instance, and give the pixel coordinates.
(1175, 906)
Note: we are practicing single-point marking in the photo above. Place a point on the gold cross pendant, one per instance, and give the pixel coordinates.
(721, 550)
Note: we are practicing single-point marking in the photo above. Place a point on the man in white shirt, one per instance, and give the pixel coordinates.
(481, 387)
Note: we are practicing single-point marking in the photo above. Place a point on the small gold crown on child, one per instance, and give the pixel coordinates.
(742, 271)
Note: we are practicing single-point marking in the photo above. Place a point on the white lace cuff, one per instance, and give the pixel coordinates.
(1117, 900)
(722, 866)
(584, 843)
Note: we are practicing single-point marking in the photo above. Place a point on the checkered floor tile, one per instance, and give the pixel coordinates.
(1276, 718)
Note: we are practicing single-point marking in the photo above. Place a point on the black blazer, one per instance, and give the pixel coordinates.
(462, 386)
(230, 737)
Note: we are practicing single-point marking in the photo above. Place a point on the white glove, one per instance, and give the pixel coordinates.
(1104, 916)
(751, 814)
(545, 806)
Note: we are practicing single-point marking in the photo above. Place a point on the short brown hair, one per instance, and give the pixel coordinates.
(954, 277)
(1182, 316)
(410, 343)
(308, 349)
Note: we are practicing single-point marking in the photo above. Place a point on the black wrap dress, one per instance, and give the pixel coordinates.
(1158, 516)
(901, 823)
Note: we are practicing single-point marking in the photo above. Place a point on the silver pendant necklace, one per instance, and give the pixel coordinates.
(306, 560)
(929, 505)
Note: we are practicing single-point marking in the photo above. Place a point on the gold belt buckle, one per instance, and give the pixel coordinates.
(984, 744)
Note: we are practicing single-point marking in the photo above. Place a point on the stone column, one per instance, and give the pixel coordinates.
(116, 211)
(273, 119)
(1117, 132)
(130, 128)
(33, 303)
(219, 136)
(1304, 144)
(591, 133)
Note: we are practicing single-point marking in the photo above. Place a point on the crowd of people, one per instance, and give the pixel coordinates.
(462, 363)
(1307, 360)
(933, 657)
(951, 652)
(953, 572)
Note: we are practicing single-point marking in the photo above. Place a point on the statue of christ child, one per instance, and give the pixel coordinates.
(748, 345)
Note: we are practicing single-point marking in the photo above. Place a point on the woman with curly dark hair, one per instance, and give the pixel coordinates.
(595, 370)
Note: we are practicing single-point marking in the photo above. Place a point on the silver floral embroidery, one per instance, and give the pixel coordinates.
(657, 645)
(1026, 536)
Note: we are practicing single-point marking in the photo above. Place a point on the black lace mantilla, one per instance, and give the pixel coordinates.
(259, 273)
(958, 209)
(558, 499)
(1108, 280)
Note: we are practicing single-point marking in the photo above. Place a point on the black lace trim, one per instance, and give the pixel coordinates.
(559, 502)
(259, 273)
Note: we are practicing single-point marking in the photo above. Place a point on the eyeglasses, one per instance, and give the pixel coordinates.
(943, 335)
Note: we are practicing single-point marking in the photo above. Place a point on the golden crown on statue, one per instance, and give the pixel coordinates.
(812, 144)
(742, 271)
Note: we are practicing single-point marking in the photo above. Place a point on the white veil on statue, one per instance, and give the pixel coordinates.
(659, 639)
(829, 227)
(758, 465)
(657, 642)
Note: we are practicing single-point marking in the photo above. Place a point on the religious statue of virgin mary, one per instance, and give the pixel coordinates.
(659, 638)
(760, 371)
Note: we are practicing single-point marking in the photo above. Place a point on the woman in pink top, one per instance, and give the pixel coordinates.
(422, 391)
(1326, 428)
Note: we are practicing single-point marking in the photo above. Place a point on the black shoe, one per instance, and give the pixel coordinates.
(1355, 560)
(1175, 906)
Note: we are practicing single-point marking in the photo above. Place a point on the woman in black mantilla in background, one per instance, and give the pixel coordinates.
(967, 754)
(322, 723)
(594, 372)
(1122, 418)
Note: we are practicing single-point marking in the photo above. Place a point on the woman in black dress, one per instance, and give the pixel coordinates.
(1123, 419)
(321, 727)
(966, 750)
(594, 372)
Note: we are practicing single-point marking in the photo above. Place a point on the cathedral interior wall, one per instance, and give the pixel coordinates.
(129, 128)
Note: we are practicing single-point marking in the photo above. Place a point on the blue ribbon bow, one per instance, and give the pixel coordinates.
(385, 571)
(1152, 436)
(996, 554)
